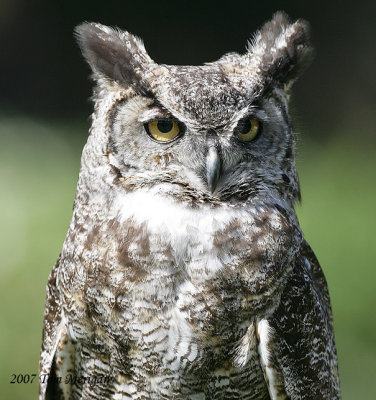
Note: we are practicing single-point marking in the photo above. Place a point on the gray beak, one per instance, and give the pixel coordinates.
(213, 167)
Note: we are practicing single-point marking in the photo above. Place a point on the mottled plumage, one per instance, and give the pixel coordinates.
(184, 273)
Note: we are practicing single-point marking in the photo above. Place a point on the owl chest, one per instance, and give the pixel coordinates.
(179, 292)
(211, 264)
(187, 283)
(182, 286)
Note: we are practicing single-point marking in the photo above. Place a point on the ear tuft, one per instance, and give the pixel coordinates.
(282, 49)
(114, 55)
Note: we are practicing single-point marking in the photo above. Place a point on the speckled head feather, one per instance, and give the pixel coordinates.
(114, 55)
(184, 274)
(282, 50)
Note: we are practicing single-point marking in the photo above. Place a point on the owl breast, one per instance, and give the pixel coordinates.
(179, 289)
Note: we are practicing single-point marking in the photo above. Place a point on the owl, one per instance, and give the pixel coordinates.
(184, 273)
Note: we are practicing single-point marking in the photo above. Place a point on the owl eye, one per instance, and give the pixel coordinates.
(247, 129)
(163, 130)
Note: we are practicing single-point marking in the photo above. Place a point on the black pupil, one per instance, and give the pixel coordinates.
(164, 126)
(244, 126)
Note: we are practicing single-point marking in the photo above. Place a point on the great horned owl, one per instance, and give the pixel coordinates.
(184, 273)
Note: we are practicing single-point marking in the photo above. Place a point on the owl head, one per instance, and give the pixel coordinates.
(214, 133)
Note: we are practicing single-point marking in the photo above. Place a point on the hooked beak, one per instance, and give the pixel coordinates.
(213, 167)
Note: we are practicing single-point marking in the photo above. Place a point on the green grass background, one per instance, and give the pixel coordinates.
(39, 164)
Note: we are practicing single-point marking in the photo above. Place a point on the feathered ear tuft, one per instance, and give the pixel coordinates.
(114, 55)
(282, 50)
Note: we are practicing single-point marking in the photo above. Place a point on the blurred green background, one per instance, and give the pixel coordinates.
(44, 122)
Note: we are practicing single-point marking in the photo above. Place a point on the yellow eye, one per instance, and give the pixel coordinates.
(247, 129)
(163, 130)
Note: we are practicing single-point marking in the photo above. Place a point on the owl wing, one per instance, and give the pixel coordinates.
(296, 343)
(54, 341)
